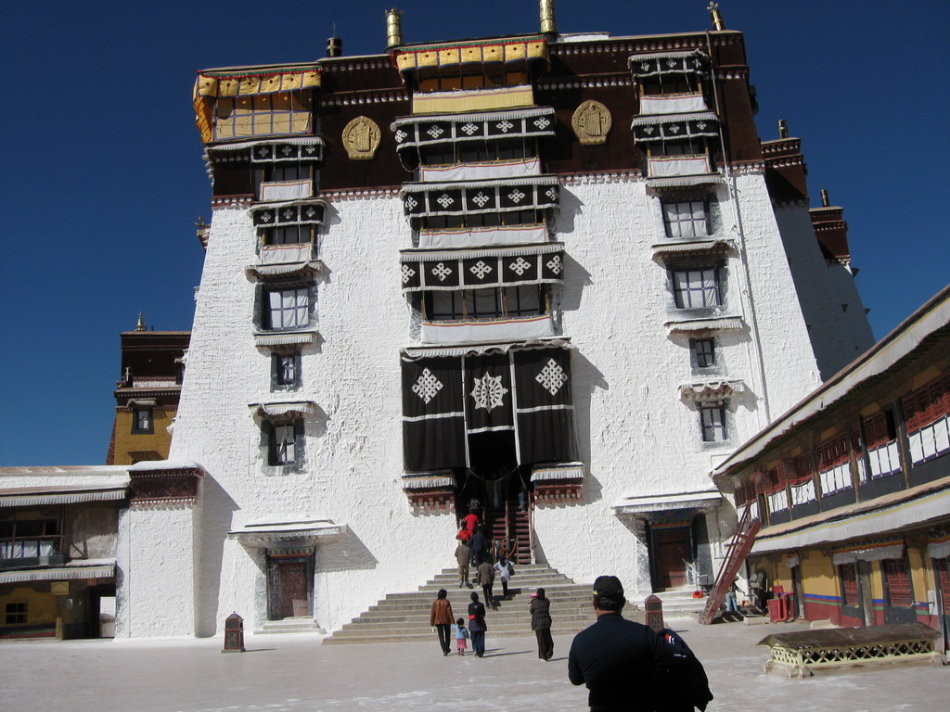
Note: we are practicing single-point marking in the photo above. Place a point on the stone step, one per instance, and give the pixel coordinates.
(290, 625)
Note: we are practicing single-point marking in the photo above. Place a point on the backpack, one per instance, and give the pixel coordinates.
(681, 679)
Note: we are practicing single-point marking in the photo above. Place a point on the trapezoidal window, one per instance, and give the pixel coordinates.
(263, 115)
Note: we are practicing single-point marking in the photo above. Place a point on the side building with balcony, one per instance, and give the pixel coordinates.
(852, 485)
(538, 276)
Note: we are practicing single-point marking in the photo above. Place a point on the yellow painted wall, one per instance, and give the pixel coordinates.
(40, 605)
(127, 443)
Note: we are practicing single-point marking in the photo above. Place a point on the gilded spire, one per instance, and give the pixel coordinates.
(393, 28)
(548, 23)
(140, 324)
(716, 16)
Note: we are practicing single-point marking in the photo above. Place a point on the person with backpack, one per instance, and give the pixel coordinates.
(681, 681)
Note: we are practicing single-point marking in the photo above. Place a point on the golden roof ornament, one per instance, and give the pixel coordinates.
(361, 138)
(782, 128)
(548, 23)
(393, 28)
(140, 324)
(716, 16)
(591, 123)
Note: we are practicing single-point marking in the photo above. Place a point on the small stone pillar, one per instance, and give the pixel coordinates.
(654, 610)
(233, 634)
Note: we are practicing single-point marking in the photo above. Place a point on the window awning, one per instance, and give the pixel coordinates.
(453, 54)
(141, 403)
(291, 212)
(286, 532)
(414, 131)
(303, 269)
(710, 390)
(692, 326)
(647, 504)
(61, 494)
(486, 196)
(659, 185)
(423, 352)
(285, 339)
(478, 269)
(428, 480)
(674, 127)
(649, 65)
(301, 149)
(558, 472)
(275, 410)
(687, 247)
(81, 569)
(247, 81)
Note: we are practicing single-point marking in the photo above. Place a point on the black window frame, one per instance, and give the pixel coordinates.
(137, 427)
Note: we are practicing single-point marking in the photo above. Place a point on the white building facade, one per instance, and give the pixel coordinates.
(542, 277)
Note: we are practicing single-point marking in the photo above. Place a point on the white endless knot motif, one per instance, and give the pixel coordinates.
(480, 269)
(287, 214)
(445, 200)
(480, 199)
(263, 152)
(401, 136)
(286, 150)
(648, 130)
(701, 125)
(411, 203)
(435, 131)
(407, 273)
(469, 128)
(555, 265)
(505, 126)
(516, 196)
(441, 271)
(644, 66)
(675, 129)
(310, 150)
(520, 266)
(428, 386)
(266, 217)
(488, 392)
(671, 63)
(310, 212)
(552, 377)
(551, 193)
(541, 122)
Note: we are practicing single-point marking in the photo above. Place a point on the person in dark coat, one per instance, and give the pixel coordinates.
(681, 681)
(441, 618)
(479, 546)
(616, 658)
(541, 624)
(476, 625)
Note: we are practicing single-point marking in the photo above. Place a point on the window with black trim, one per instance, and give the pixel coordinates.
(513, 217)
(285, 370)
(696, 288)
(286, 308)
(16, 614)
(478, 151)
(712, 421)
(485, 304)
(143, 422)
(704, 352)
(284, 442)
(686, 218)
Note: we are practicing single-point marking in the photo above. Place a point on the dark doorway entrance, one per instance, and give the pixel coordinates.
(497, 488)
(290, 586)
(898, 592)
(672, 551)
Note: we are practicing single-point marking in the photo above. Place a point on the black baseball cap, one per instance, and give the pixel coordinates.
(608, 587)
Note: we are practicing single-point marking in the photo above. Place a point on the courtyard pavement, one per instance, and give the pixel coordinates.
(295, 673)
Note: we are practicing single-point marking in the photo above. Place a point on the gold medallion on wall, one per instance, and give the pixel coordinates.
(591, 122)
(361, 138)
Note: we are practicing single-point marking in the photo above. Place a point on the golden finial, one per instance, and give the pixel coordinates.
(140, 324)
(393, 28)
(548, 23)
(713, 8)
(782, 128)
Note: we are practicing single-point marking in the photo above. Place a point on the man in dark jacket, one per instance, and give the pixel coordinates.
(616, 658)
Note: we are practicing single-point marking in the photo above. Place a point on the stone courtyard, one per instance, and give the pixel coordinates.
(295, 673)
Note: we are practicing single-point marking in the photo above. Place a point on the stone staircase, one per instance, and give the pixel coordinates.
(405, 616)
(679, 603)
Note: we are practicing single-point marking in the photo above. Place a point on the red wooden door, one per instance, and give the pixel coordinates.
(672, 550)
(293, 588)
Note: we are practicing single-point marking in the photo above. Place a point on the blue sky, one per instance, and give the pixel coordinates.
(103, 177)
